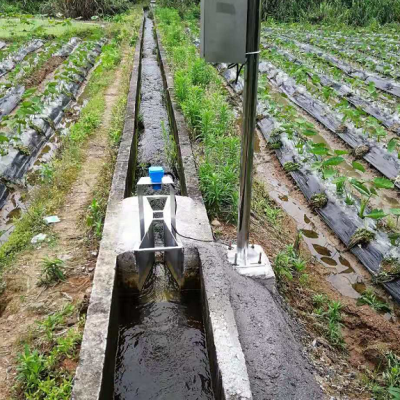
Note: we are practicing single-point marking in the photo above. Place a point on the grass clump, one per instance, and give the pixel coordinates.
(200, 94)
(41, 374)
(53, 271)
(370, 298)
(328, 312)
(95, 218)
(288, 263)
(264, 207)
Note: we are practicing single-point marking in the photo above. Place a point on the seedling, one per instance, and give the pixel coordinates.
(95, 217)
(291, 166)
(361, 236)
(53, 271)
(318, 200)
(370, 298)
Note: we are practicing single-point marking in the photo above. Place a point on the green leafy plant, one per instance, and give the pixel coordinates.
(291, 166)
(287, 263)
(95, 218)
(361, 236)
(370, 298)
(318, 200)
(55, 321)
(53, 271)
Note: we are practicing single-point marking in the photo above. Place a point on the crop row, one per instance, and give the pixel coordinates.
(360, 59)
(302, 71)
(12, 90)
(341, 195)
(342, 201)
(305, 62)
(27, 130)
(373, 40)
(345, 117)
(385, 84)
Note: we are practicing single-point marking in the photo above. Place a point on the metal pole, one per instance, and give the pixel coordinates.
(249, 125)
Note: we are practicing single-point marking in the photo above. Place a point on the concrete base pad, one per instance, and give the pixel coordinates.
(257, 263)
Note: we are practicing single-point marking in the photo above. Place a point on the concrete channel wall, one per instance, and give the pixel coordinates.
(94, 378)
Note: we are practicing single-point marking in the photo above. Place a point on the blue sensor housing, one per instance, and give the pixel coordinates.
(156, 174)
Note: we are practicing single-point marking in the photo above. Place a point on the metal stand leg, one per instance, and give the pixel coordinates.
(249, 260)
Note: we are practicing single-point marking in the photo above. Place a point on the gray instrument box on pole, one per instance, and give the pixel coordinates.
(223, 31)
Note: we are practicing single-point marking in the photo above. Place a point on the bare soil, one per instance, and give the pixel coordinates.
(25, 301)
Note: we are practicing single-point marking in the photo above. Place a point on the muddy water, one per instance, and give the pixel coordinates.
(344, 276)
(162, 350)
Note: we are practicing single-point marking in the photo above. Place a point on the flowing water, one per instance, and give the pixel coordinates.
(162, 351)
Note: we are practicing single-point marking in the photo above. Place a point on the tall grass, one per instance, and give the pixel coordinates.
(351, 12)
(199, 92)
(68, 8)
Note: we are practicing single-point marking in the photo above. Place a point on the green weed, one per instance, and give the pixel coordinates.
(369, 297)
(53, 271)
(387, 385)
(40, 375)
(288, 263)
(95, 218)
(54, 321)
(329, 314)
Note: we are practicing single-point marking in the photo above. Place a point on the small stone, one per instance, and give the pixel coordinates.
(215, 223)
(39, 238)
(91, 269)
(94, 253)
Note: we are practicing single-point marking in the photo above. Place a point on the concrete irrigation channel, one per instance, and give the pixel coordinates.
(198, 332)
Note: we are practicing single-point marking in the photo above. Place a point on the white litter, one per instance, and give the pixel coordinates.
(38, 238)
(52, 220)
